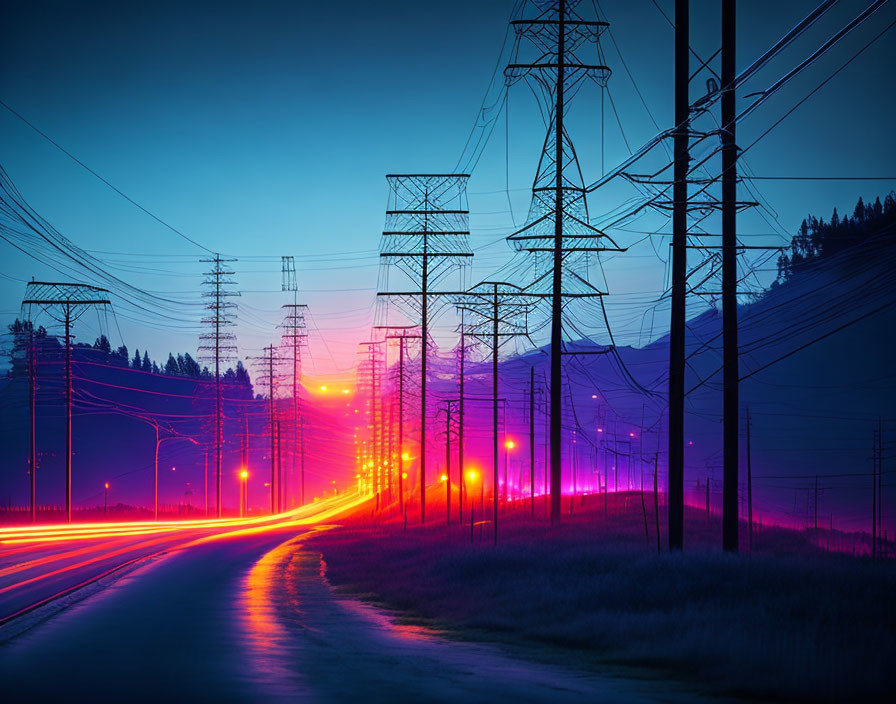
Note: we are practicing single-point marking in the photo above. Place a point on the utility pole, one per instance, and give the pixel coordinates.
(426, 238)
(32, 401)
(277, 485)
(749, 479)
(295, 336)
(369, 368)
(462, 356)
(488, 300)
(64, 303)
(268, 378)
(532, 438)
(880, 473)
(448, 463)
(679, 279)
(815, 522)
(401, 333)
(558, 225)
(730, 370)
(218, 345)
(875, 459)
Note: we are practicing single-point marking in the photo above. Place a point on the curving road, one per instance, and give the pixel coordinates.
(246, 615)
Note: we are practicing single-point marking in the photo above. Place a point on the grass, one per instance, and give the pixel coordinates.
(788, 623)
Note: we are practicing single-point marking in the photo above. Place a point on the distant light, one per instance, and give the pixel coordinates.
(600, 430)
(690, 442)
(471, 474)
(244, 475)
(404, 475)
(593, 395)
(510, 444)
(107, 485)
(345, 391)
(405, 456)
(323, 387)
(174, 469)
(631, 435)
(357, 476)
(444, 478)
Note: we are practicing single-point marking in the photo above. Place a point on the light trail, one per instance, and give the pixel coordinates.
(86, 531)
(115, 547)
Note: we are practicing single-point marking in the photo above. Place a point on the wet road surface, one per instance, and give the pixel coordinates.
(251, 618)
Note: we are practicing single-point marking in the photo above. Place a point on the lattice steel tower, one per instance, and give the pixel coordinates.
(558, 232)
(425, 239)
(218, 346)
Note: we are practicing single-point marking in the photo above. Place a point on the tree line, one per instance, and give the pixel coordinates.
(182, 365)
(817, 240)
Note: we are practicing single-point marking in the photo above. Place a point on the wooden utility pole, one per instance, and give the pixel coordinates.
(460, 427)
(448, 463)
(679, 280)
(70, 300)
(270, 361)
(730, 367)
(875, 460)
(487, 300)
(32, 402)
(749, 479)
(532, 437)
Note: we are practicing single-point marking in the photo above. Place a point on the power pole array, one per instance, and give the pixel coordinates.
(218, 345)
(426, 239)
(64, 303)
(558, 232)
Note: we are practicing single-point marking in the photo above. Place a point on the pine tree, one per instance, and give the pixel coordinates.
(147, 365)
(135, 363)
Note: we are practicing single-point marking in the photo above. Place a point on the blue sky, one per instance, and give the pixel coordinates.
(266, 129)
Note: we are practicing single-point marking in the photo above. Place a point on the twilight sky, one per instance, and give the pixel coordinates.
(263, 129)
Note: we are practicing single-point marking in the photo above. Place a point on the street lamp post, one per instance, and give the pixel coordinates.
(244, 492)
(404, 505)
(105, 498)
(159, 441)
(508, 446)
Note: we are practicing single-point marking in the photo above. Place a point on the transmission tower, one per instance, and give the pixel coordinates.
(64, 303)
(267, 377)
(425, 239)
(501, 314)
(295, 338)
(369, 384)
(557, 231)
(218, 345)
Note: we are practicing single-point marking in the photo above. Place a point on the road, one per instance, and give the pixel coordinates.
(245, 614)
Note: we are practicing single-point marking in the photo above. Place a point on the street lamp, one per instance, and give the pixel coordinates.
(244, 492)
(105, 498)
(508, 446)
(159, 441)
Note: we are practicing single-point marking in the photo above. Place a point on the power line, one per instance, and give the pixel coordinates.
(109, 184)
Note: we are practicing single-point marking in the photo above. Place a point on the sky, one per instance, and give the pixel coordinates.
(266, 129)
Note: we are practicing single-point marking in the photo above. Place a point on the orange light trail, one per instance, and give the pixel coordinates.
(91, 531)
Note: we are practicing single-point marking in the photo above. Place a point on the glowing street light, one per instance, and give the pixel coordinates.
(508, 445)
(244, 492)
(159, 441)
(105, 497)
